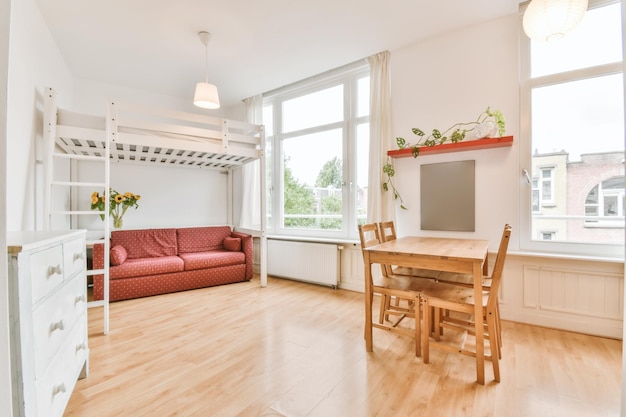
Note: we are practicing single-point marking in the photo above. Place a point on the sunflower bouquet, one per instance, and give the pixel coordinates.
(118, 204)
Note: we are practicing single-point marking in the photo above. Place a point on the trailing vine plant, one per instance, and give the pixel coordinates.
(390, 172)
(455, 133)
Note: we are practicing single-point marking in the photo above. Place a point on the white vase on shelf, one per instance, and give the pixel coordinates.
(486, 129)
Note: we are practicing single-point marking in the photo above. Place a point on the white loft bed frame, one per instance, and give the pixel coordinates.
(148, 135)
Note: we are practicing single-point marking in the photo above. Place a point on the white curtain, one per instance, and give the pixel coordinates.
(251, 198)
(380, 205)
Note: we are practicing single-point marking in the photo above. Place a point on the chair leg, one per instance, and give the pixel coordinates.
(437, 330)
(365, 327)
(426, 326)
(493, 344)
(418, 327)
(499, 330)
(384, 299)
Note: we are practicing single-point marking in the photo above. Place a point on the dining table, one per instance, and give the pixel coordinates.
(457, 255)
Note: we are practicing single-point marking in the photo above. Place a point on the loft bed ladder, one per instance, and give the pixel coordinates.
(53, 155)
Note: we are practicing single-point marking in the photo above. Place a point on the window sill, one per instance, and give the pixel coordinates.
(314, 239)
(565, 257)
(600, 225)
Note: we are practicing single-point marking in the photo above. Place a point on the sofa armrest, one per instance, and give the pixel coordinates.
(247, 248)
(98, 255)
(98, 263)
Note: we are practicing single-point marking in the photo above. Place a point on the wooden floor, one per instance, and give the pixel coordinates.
(295, 349)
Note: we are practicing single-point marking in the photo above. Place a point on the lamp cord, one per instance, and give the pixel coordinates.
(206, 63)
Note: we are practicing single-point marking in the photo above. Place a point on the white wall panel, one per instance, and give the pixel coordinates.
(352, 270)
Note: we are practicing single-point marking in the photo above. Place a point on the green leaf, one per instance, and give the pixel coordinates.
(388, 169)
(400, 142)
(385, 186)
(402, 206)
(416, 151)
(417, 131)
(436, 134)
(457, 136)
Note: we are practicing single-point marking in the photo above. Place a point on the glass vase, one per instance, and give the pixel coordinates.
(117, 222)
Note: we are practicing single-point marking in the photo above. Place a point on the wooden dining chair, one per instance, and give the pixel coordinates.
(387, 230)
(391, 285)
(467, 280)
(460, 299)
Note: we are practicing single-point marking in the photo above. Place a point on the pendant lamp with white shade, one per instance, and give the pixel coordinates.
(206, 95)
(547, 20)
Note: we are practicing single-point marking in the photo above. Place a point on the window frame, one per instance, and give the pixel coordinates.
(349, 76)
(543, 180)
(527, 243)
(605, 220)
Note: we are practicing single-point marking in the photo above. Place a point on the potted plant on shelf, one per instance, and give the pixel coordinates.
(488, 124)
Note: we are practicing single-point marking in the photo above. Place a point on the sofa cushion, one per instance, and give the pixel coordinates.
(212, 259)
(147, 266)
(148, 243)
(232, 244)
(118, 255)
(201, 239)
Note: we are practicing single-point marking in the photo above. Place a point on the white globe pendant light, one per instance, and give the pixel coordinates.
(547, 20)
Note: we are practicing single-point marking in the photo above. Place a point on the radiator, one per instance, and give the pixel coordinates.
(304, 261)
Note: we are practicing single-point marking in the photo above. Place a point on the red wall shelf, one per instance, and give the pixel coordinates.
(470, 145)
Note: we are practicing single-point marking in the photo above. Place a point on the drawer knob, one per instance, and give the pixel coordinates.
(79, 256)
(81, 346)
(58, 389)
(55, 270)
(56, 326)
(79, 299)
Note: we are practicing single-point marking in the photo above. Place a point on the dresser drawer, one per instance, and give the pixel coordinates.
(55, 387)
(47, 319)
(46, 269)
(73, 257)
(54, 319)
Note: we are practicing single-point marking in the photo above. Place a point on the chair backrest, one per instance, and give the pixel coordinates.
(496, 276)
(370, 236)
(387, 231)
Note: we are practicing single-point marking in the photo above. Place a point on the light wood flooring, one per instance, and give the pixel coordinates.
(295, 349)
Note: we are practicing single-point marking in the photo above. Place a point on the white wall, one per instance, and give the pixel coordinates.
(35, 63)
(451, 79)
(170, 197)
(5, 358)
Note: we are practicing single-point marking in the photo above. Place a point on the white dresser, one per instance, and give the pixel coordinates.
(48, 314)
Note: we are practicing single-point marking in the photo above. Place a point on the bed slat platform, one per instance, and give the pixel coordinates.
(156, 136)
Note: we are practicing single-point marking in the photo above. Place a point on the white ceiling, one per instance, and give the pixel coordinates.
(256, 45)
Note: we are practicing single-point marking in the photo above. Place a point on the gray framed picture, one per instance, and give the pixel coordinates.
(447, 199)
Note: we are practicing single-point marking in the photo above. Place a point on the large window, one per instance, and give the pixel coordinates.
(318, 145)
(573, 99)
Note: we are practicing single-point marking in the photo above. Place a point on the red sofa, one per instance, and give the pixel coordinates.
(158, 261)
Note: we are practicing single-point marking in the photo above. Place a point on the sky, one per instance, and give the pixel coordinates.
(580, 116)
